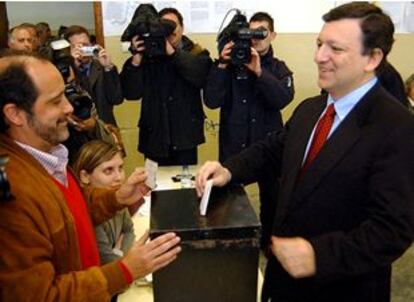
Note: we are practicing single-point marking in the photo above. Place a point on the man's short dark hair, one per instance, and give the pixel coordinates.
(75, 30)
(262, 16)
(172, 10)
(61, 31)
(376, 26)
(42, 27)
(16, 85)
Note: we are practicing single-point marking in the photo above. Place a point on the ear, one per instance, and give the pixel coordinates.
(272, 36)
(14, 115)
(375, 58)
(84, 177)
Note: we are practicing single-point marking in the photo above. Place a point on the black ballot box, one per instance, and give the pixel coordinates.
(220, 251)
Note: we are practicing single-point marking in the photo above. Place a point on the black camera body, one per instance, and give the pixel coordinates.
(154, 45)
(239, 32)
(147, 24)
(79, 99)
(77, 96)
(241, 52)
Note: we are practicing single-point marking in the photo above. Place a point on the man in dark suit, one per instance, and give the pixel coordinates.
(345, 209)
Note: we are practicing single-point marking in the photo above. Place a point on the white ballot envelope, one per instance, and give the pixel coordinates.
(205, 198)
(151, 167)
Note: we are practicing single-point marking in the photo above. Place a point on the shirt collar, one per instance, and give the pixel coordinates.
(55, 161)
(85, 68)
(345, 104)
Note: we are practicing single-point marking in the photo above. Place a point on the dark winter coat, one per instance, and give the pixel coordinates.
(172, 116)
(249, 108)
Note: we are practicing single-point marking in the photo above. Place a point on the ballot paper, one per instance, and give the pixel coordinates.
(151, 167)
(205, 198)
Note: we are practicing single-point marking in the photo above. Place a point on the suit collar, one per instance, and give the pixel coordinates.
(346, 135)
(293, 152)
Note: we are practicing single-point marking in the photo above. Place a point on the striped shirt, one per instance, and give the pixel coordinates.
(55, 162)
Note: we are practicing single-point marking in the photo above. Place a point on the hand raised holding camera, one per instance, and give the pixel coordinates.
(104, 58)
(254, 64)
(137, 49)
(76, 53)
(225, 55)
(84, 53)
(169, 49)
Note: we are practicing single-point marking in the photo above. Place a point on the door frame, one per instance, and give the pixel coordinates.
(97, 12)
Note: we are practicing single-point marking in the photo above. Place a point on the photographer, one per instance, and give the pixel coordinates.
(84, 124)
(97, 73)
(172, 118)
(49, 250)
(250, 102)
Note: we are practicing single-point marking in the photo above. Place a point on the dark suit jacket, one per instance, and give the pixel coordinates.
(105, 89)
(392, 81)
(354, 204)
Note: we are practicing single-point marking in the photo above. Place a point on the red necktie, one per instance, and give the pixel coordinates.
(319, 138)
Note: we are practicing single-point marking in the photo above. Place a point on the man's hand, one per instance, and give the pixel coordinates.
(216, 171)
(169, 49)
(134, 189)
(138, 47)
(76, 53)
(254, 64)
(145, 258)
(225, 54)
(296, 255)
(104, 59)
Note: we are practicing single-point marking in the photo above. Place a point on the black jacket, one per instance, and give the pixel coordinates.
(354, 204)
(172, 115)
(392, 81)
(249, 108)
(105, 90)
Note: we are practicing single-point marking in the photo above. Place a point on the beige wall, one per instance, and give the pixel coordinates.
(295, 49)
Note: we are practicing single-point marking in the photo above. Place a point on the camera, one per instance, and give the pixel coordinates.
(79, 99)
(77, 96)
(89, 51)
(147, 24)
(241, 52)
(239, 32)
(5, 193)
(59, 55)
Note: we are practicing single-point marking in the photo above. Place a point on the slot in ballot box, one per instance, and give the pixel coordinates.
(220, 251)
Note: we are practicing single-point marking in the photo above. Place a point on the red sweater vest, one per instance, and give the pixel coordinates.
(86, 236)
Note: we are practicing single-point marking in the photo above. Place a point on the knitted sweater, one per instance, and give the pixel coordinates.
(39, 258)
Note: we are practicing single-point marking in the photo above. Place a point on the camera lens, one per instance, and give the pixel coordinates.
(240, 54)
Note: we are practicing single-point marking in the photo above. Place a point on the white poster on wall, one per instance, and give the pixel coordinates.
(204, 16)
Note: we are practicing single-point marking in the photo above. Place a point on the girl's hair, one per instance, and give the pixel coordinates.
(94, 153)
